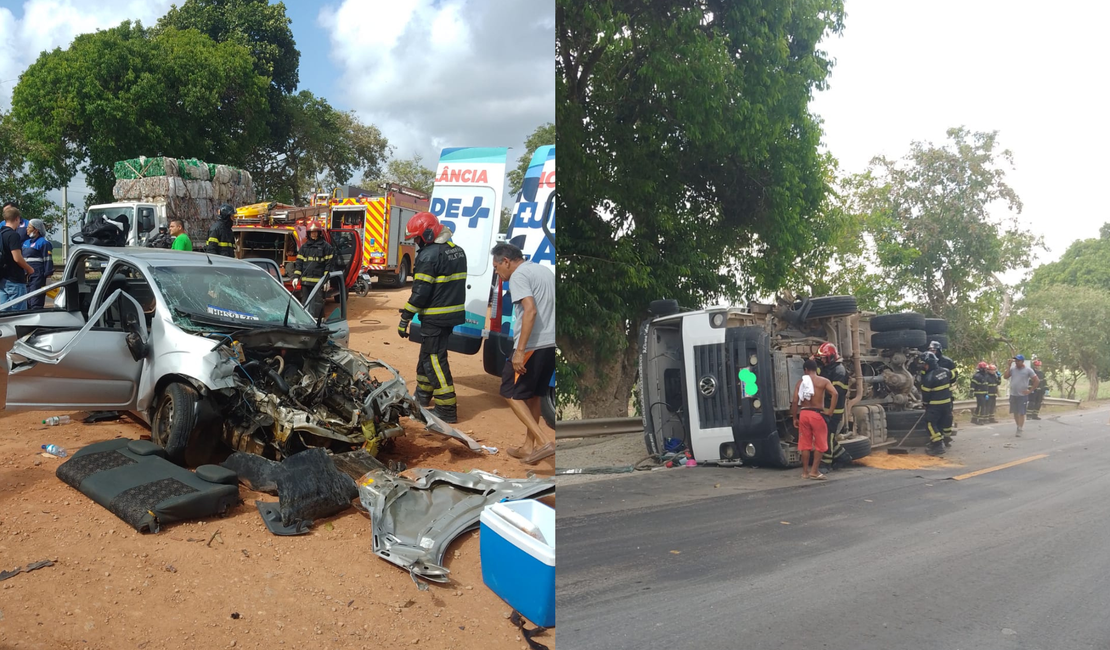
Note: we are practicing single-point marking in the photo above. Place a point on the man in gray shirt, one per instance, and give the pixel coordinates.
(527, 375)
(1023, 381)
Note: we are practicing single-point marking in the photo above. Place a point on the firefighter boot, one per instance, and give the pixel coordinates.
(448, 414)
(935, 448)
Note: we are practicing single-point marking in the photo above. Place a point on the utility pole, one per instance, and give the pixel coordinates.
(65, 223)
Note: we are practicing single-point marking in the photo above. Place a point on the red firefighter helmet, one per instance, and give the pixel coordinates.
(992, 367)
(827, 352)
(982, 365)
(1036, 363)
(314, 226)
(425, 227)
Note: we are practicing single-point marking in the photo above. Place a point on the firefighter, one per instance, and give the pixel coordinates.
(831, 367)
(1036, 398)
(438, 297)
(980, 389)
(220, 238)
(315, 260)
(949, 365)
(992, 392)
(936, 389)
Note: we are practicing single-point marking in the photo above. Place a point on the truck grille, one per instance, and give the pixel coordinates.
(714, 386)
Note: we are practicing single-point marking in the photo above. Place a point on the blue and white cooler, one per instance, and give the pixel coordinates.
(518, 557)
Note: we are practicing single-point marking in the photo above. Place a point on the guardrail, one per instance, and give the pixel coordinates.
(1048, 401)
(597, 427)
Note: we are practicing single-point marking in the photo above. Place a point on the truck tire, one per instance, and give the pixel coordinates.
(891, 322)
(900, 339)
(547, 407)
(829, 306)
(940, 338)
(903, 421)
(664, 307)
(935, 326)
(857, 446)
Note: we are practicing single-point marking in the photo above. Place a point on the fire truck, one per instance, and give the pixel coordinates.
(379, 222)
(276, 231)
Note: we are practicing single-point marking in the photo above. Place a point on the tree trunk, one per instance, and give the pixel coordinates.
(1092, 382)
(605, 382)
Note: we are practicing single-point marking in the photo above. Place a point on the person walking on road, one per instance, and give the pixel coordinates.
(221, 240)
(831, 367)
(1036, 398)
(936, 391)
(1021, 379)
(181, 241)
(980, 389)
(806, 408)
(39, 253)
(315, 259)
(527, 375)
(13, 268)
(439, 298)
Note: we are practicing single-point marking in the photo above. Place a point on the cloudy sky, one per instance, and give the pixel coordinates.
(429, 73)
(1034, 72)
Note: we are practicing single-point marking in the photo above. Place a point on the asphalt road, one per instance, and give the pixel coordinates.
(706, 558)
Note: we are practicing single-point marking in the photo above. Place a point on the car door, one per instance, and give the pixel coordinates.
(69, 361)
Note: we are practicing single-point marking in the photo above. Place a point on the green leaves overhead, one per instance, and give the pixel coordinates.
(543, 135)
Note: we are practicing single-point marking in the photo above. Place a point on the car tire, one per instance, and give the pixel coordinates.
(899, 339)
(175, 420)
(829, 306)
(936, 326)
(547, 407)
(857, 447)
(891, 322)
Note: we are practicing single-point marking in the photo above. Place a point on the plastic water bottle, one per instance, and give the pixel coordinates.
(55, 449)
(56, 420)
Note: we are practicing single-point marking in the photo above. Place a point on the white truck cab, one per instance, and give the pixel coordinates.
(138, 218)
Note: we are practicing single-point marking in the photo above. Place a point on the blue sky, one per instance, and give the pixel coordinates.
(429, 73)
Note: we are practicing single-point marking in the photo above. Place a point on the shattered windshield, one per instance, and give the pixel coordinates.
(238, 296)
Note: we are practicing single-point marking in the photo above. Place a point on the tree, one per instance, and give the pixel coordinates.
(941, 226)
(409, 172)
(689, 166)
(261, 27)
(125, 92)
(1067, 325)
(544, 134)
(324, 148)
(17, 182)
(1086, 263)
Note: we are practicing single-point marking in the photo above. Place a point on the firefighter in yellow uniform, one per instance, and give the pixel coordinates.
(438, 297)
(315, 259)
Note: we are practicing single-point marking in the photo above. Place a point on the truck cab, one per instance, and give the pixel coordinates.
(137, 219)
(719, 381)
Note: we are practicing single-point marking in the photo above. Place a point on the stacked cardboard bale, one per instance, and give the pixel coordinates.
(192, 189)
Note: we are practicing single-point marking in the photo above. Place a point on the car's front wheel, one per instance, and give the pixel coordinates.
(175, 420)
(548, 407)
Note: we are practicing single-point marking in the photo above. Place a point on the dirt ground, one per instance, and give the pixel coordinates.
(227, 582)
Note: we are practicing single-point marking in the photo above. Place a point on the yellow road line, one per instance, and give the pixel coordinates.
(998, 467)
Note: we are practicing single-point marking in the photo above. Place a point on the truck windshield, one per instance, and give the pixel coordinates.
(111, 214)
(238, 296)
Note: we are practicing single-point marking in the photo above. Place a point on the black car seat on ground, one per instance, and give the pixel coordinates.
(134, 481)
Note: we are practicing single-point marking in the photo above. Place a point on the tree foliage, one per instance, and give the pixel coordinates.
(125, 92)
(260, 27)
(689, 165)
(409, 172)
(1066, 327)
(934, 231)
(1086, 263)
(543, 135)
(17, 182)
(324, 148)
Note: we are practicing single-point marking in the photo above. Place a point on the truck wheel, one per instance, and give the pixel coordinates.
(829, 306)
(940, 338)
(936, 326)
(905, 321)
(175, 420)
(899, 339)
(403, 274)
(547, 407)
(857, 446)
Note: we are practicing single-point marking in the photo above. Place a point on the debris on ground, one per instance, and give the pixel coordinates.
(4, 575)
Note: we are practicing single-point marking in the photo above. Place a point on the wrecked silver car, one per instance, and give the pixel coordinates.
(203, 349)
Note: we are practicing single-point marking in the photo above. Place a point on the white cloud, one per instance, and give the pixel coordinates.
(446, 73)
(47, 24)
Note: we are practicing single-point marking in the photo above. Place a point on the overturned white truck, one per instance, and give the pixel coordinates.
(719, 380)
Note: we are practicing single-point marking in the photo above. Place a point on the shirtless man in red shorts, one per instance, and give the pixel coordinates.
(805, 408)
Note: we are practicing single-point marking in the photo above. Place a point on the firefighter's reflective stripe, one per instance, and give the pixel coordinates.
(939, 401)
(224, 244)
(423, 277)
(324, 258)
(431, 311)
(838, 411)
(29, 260)
(309, 280)
(411, 307)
